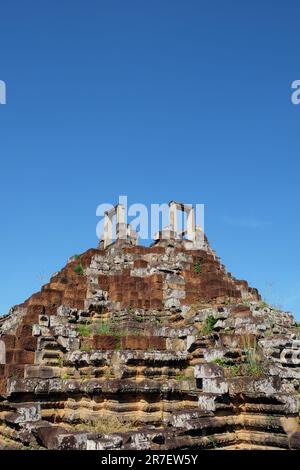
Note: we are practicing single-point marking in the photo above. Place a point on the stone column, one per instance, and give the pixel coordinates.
(121, 226)
(2, 352)
(190, 223)
(107, 229)
(173, 217)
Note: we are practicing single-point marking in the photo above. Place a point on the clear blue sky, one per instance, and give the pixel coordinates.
(186, 100)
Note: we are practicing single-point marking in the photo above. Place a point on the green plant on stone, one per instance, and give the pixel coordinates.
(270, 420)
(106, 328)
(197, 266)
(263, 304)
(106, 425)
(78, 269)
(156, 321)
(234, 368)
(60, 361)
(139, 319)
(220, 361)
(76, 256)
(253, 366)
(209, 324)
(84, 330)
(102, 328)
(212, 441)
(180, 377)
(268, 332)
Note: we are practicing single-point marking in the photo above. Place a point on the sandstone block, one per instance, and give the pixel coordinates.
(157, 342)
(28, 343)
(208, 371)
(135, 342)
(24, 413)
(294, 441)
(105, 342)
(24, 357)
(9, 341)
(41, 372)
(217, 386)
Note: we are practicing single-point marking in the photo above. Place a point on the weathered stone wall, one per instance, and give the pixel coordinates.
(148, 347)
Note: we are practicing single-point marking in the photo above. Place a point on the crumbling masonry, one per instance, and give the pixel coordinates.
(133, 347)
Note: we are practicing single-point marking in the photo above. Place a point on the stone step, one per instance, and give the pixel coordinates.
(262, 438)
(269, 423)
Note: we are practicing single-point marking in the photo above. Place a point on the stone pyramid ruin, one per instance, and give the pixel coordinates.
(159, 347)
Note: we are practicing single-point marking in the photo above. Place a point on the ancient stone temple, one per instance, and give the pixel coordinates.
(159, 347)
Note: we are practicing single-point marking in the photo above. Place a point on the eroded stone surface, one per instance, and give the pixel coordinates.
(148, 348)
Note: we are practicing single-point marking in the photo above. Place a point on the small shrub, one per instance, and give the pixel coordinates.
(180, 376)
(198, 267)
(268, 333)
(76, 256)
(78, 269)
(212, 441)
(139, 319)
(234, 368)
(253, 366)
(102, 328)
(209, 324)
(156, 321)
(270, 420)
(220, 361)
(106, 425)
(84, 330)
(60, 361)
(254, 370)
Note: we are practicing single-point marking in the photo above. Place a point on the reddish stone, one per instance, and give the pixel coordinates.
(156, 278)
(24, 357)
(9, 356)
(156, 304)
(29, 343)
(14, 370)
(140, 263)
(3, 387)
(9, 341)
(105, 342)
(135, 342)
(31, 318)
(157, 342)
(24, 330)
